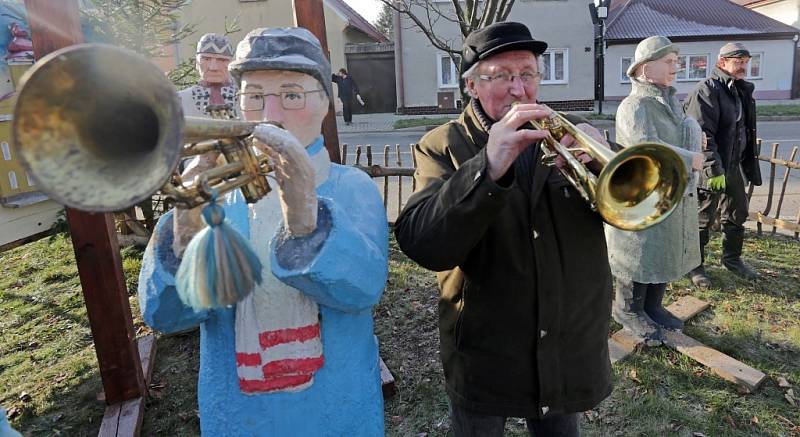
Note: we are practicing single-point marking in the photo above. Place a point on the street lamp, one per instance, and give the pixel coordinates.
(598, 10)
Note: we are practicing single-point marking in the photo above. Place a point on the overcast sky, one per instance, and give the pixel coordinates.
(368, 9)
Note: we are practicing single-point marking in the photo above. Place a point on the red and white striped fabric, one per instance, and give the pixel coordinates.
(273, 353)
(278, 343)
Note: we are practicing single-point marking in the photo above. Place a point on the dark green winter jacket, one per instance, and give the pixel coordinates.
(523, 274)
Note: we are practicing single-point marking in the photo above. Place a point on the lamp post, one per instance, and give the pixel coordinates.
(598, 10)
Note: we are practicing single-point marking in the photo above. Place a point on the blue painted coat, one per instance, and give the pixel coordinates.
(346, 278)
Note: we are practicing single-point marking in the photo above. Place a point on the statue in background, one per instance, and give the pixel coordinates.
(216, 87)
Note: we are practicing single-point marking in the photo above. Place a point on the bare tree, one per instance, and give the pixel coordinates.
(385, 22)
(468, 15)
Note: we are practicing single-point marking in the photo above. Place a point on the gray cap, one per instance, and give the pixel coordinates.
(282, 48)
(651, 49)
(734, 50)
(216, 44)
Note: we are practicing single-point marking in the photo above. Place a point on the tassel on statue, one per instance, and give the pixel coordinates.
(219, 267)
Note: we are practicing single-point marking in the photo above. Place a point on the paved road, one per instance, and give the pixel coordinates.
(785, 133)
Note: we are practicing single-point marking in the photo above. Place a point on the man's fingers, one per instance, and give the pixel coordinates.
(520, 117)
(527, 136)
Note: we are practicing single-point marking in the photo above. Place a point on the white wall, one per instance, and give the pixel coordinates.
(776, 77)
(786, 11)
(562, 24)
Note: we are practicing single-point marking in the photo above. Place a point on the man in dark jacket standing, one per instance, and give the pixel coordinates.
(724, 106)
(348, 90)
(521, 258)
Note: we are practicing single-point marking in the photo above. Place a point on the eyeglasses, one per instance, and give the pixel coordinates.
(739, 61)
(290, 100)
(526, 77)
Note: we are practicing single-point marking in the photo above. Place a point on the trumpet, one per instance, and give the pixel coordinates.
(638, 187)
(100, 128)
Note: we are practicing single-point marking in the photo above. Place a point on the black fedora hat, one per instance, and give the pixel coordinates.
(498, 38)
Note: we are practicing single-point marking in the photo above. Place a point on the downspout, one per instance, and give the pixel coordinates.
(398, 62)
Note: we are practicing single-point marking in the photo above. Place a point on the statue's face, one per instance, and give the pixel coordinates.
(662, 71)
(295, 100)
(736, 67)
(213, 68)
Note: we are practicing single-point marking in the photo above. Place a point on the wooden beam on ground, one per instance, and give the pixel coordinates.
(387, 381)
(623, 342)
(726, 367)
(687, 307)
(311, 15)
(54, 25)
(124, 419)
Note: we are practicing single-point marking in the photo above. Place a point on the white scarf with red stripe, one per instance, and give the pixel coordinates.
(278, 343)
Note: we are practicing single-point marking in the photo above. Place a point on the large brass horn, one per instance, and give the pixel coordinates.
(100, 128)
(638, 187)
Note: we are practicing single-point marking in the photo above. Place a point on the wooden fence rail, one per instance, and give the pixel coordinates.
(404, 174)
(778, 197)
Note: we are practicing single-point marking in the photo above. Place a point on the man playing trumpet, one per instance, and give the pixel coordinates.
(298, 355)
(523, 273)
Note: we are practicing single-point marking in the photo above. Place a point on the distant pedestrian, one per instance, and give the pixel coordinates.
(724, 106)
(348, 89)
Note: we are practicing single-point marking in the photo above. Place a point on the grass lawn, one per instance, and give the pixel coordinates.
(49, 378)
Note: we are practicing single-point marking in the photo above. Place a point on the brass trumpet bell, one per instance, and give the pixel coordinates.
(96, 127)
(100, 128)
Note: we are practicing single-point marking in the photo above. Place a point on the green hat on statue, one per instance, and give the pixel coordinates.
(650, 49)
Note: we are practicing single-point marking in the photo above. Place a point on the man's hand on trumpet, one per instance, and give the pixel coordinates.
(294, 175)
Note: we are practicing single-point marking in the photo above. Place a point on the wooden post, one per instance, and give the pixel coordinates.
(55, 24)
(311, 15)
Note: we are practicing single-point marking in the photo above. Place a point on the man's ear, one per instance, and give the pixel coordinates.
(469, 85)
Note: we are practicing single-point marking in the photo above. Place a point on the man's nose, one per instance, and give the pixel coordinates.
(516, 87)
(273, 109)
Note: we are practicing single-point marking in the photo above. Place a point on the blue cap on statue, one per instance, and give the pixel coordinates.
(282, 48)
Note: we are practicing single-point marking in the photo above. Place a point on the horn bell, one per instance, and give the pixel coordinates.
(98, 127)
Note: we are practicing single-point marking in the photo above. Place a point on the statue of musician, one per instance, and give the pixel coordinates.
(298, 356)
(216, 87)
(644, 261)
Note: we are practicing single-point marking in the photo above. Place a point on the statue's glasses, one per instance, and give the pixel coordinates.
(290, 100)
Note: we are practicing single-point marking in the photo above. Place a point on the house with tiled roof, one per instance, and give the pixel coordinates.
(700, 28)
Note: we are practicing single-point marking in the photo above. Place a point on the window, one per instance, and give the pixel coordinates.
(692, 67)
(447, 71)
(555, 66)
(12, 180)
(625, 63)
(6, 151)
(754, 66)
(31, 183)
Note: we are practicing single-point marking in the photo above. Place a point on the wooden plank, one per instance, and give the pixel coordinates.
(622, 344)
(110, 423)
(123, 419)
(387, 381)
(55, 25)
(779, 223)
(311, 15)
(728, 368)
(386, 178)
(147, 353)
(687, 307)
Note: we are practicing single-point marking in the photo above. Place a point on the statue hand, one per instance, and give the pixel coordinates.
(295, 176)
(187, 222)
